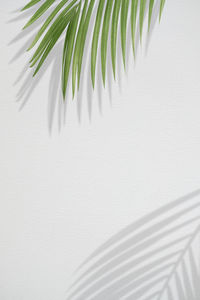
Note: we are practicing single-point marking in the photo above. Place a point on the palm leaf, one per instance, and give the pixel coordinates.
(78, 47)
(162, 3)
(72, 18)
(115, 19)
(51, 33)
(52, 37)
(68, 50)
(142, 12)
(96, 39)
(43, 8)
(62, 25)
(134, 9)
(151, 4)
(49, 20)
(104, 38)
(30, 4)
(124, 14)
(83, 38)
(154, 258)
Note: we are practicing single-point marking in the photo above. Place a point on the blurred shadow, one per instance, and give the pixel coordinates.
(29, 83)
(55, 86)
(159, 242)
(23, 14)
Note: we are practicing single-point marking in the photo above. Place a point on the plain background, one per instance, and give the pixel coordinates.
(63, 194)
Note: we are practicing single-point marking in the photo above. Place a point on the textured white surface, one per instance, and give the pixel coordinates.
(65, 194)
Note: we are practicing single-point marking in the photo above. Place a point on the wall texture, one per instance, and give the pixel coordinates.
(111, 160)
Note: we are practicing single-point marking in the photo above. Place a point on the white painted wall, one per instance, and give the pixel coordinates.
(62, 195)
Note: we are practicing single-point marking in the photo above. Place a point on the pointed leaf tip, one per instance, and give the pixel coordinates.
(151, 5)
(162, 4)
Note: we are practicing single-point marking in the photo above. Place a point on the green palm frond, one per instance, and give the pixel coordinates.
(72, 18)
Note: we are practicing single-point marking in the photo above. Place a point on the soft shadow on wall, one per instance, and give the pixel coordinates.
(155, 258)
(26, 83)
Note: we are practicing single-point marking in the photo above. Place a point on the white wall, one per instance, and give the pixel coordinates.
(64, 194)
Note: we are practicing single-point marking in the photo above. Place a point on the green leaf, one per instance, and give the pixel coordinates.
(162, 4)
(134, 10)
(124, 14)
(104, 38)
(78, 47)
(51, 32)
(30, 4)
(114, 28)
(39, 12)
(151, 5)
(83, 39)
(49, 19)
(96, 39)
(68, 50)
(142, 11)
(53, 39)
(75, 17)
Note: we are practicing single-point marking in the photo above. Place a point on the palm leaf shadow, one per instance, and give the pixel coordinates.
(155, 258)
(70, 69)
(27, 84)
